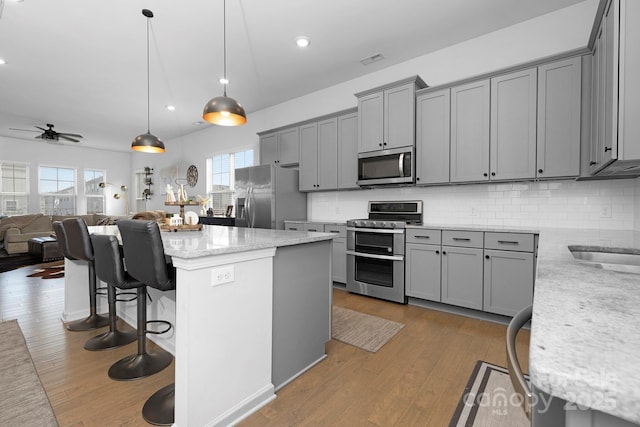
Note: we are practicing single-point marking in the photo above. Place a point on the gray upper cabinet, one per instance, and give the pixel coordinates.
(308, 175)
(433, 124)
(513, 125)
(371, 122)
(269, 148)
(559, 104)
(348, 151)
(615, 132)
(328, 154)
(386, 116)
(280, 147)
(470, 105)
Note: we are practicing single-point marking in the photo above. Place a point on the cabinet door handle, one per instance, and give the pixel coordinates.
(607, 149)
(461, 239)
(486, 256)
(417, 178)
(437, 252)
(507, 242)
(444, 252)
(380, 144)
(539, 170)
(485, 174)
(493, 174)
(591, 163)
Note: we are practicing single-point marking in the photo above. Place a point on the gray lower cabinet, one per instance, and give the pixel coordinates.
(432, 137)
(462, 276)
(483, 270)
(513, 125)
(339, 259)
(508, 281)
(422, 271)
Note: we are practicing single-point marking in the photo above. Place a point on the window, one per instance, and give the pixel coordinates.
(57, 190)
(221, 173)
(14, 188)
(92, 190)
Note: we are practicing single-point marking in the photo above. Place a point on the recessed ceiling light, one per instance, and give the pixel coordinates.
(197, 123)
(2, 61)
(171, 107)
(303, 41)
(371, 59)
(224, 81)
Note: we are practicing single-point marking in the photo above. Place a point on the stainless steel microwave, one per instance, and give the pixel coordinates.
(393, 166)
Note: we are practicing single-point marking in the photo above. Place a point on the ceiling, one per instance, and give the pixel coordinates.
(81, 65)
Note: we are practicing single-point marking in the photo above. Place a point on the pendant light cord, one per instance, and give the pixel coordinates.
(148, 84)
(224, 42)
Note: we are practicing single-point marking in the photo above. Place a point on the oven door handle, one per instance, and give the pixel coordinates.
(387, 257)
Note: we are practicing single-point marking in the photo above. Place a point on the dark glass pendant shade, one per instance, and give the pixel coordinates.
(147, 143)
(224, 111)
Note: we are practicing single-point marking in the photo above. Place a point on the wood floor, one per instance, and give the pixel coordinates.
(414, 380)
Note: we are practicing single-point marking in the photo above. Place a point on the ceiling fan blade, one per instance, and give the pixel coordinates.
(42, 129)
(74, 135)
(64, 136)
(23, 130)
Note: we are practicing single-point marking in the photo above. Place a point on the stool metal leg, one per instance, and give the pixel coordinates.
(141, 364)
(94, 321)
(114, 337)
(159, 409)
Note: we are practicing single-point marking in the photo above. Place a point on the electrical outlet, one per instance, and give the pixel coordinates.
(474, 211)
(222, 275)
(605, 211)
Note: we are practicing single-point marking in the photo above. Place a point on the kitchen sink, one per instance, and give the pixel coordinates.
(615, 259)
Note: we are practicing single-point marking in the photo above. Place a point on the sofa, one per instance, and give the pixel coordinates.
(15, 231)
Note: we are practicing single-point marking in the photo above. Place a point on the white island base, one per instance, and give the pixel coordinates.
(228, 307)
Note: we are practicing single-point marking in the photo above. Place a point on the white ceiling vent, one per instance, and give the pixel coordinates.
(371, 59)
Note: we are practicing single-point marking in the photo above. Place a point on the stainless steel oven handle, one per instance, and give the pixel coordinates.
(377, 230)
(515, 371)
(387, 257)
(401, 164)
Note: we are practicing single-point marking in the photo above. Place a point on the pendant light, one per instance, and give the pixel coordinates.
(222, 110)
(147, 142)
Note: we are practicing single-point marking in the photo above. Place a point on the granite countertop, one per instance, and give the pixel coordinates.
(585, 340)
(218, 240)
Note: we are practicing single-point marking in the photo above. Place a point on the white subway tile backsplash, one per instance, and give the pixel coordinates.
(562, 203)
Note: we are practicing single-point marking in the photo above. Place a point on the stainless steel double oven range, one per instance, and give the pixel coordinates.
(375, 249)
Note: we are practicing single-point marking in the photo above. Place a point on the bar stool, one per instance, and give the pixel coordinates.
(110, 269)
(145, 261)
(68, 233)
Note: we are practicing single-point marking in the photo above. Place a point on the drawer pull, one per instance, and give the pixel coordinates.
(508, 242)
(312, 229)
(292, 228)
(462, 239)
(422, 237)
(334, 231)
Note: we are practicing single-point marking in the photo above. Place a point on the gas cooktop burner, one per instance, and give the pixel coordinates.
(390, 215)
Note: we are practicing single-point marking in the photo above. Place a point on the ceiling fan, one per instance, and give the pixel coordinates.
(51, 135)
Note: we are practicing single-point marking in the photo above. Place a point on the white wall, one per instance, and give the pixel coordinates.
(116, 164)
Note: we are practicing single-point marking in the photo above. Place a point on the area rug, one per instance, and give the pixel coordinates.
(23, 401)
(11, 262)
(49, 270)
(489, 400)
(362, 330)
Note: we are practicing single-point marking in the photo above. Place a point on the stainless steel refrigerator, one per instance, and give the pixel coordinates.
(267, 195)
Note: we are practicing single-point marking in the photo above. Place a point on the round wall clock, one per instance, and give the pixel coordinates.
(192, 175)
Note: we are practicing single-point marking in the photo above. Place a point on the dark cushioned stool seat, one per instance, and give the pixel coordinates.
(44, 249)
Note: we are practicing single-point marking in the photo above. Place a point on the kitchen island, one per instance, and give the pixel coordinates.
(585, 341)
(251, 311)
